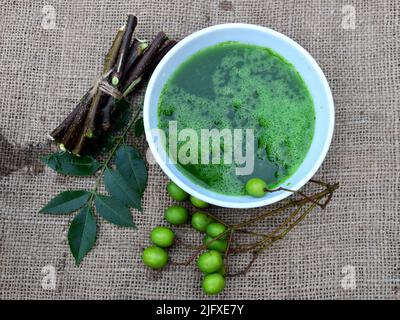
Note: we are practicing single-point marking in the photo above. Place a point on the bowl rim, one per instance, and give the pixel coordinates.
(278, 195)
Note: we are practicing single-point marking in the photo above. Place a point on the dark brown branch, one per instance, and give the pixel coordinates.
(293, 191)
(163, 51)
(76, 127)
(124, 50)
(245, 270)
(130, 63)
(136, 51)
(59, 132)
(112, 54)
(228, 249)
(89, 125)
(135, 75)
(106, 114)
(67, 132)
(140, 67)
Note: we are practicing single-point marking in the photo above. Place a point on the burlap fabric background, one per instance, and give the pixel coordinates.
(45, 71)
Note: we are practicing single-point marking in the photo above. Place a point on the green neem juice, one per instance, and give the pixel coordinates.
(234, 85)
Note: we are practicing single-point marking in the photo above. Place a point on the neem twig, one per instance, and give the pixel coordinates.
(228, 249)
(135, 75)
(268, 239)
(245, 270)
(89, 125)
(112, 54)
(124, 50)
(135, 52)
(59, 132)
(130, 63)
(200, 248)
(76, 127)
(290, 227)
(161, 53)
(329, 189)
(298, 192)
(138, 70)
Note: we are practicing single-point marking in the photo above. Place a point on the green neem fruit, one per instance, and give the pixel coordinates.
(198, 203)
(255, 187)
(219, 245)
(200, 221)
(162, 236)
(215, 229)
(175, 192)
(155, 257)
(210, 261)
(176, 214)
(213, 283)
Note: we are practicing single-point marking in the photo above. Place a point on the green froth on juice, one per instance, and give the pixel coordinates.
(240, 86)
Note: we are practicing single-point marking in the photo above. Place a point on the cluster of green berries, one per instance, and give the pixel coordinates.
(211, 262)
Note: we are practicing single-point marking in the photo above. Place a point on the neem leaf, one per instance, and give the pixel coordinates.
(118, 187)
(100, 145)
(66, 202)
(69, 164)
(122, 114)
(82, 233)
(132, 167)
(138, 127)
(113, 211)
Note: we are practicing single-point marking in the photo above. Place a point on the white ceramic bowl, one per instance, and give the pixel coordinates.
(252, 34)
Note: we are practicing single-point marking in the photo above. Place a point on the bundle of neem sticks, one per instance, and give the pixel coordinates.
(128, 62)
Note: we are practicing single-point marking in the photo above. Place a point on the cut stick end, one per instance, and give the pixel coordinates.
(115, 81)
(89, 134)
(143, 45)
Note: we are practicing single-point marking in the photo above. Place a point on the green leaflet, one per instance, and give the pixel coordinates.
(138, 128)
(69, 164)
(118, 186)
(82, 233)
(121, 115)
(100, 145)
(66, 202)
(126, 184)
(132, 167)
(112, 210)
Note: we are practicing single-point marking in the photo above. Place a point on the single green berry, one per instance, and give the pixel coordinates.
(255, 187)
(176, 214)
(155, 257)
(213, 283)
(200, 220)
(210, 261)
(198, 203)
(219, 245)
(162, 236)
(215, 229)
(175, 192)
